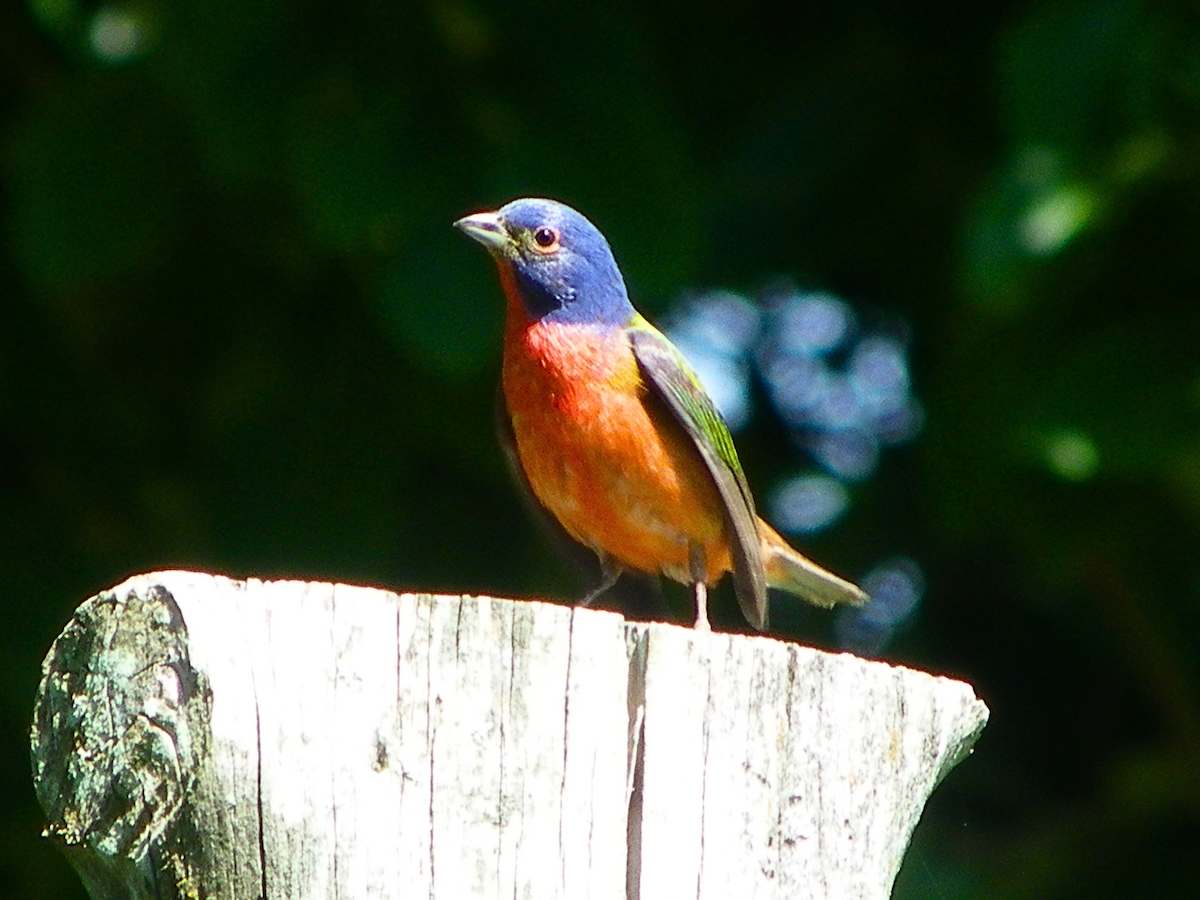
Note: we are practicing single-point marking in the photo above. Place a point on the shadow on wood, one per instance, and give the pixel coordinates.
(196, 736)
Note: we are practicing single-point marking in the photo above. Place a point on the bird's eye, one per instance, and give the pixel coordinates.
(546, 238)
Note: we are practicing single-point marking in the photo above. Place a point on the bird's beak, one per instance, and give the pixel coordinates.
(487, 228)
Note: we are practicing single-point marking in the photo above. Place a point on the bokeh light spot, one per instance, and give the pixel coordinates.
(1072, 455)
(1054, 218)
(851, 453)
(838, 406)
(797, 384)
(878, 371)
(117, 34)
(808, 503)
(726, 321)
(813, 323)
(896, 588)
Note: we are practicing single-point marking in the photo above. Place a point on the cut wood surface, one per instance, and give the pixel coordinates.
(196, 736)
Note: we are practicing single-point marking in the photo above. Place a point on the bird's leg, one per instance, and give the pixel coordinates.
(699, 572)
(609, 573)
(702, 607)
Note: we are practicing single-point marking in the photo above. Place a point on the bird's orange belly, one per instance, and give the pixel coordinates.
(621, 477)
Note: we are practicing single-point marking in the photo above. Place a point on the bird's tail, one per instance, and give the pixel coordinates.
(787, 570)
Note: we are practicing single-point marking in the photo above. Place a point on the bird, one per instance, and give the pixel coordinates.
(606, 424)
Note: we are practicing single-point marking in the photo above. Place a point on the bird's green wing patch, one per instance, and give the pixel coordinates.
(674, 382)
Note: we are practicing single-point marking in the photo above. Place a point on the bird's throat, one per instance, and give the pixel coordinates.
(512, 293)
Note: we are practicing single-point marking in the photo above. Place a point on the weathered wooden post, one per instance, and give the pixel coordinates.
(200, 737)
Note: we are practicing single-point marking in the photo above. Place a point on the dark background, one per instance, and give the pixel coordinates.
(238, 333)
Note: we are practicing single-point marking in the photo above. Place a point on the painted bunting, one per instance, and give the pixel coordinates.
(610, 429)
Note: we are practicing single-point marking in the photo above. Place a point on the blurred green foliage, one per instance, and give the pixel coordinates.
(237, 333)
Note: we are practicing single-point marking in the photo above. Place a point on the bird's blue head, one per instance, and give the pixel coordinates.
(563, 268)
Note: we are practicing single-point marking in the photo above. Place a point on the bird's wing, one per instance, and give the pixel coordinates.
(674, 382)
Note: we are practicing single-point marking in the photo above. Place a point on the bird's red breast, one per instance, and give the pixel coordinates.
(620, 475)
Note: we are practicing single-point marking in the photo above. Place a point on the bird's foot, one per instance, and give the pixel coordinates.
(610, 574)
